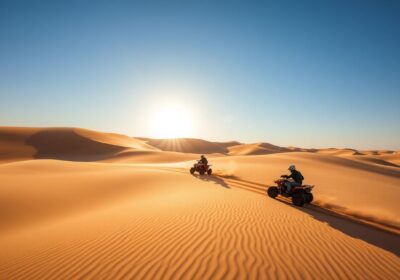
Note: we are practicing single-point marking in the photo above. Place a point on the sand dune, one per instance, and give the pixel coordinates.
(80, 204)
(114, 139)
(395, 158)
(355, 187)
(189, 145)
(383, 157)
(87, 145)
(74, 144)
(339, 152)
(12, 143)
(198, 146)
(228, 144)
(255, 149)
(150, 157)
(117, 221)
(56, 143)
(377, 160)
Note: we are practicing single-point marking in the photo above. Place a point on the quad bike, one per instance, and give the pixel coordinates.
(201, 168)
(300, 195)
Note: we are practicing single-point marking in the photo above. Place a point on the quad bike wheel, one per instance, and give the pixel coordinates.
(192, 170)
(272, 192)
(298, 199)
(308, 197)
(209, 171)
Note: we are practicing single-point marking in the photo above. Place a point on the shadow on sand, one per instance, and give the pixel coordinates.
(352, 227)
(214, 179)
(355, 228)
(67, 144)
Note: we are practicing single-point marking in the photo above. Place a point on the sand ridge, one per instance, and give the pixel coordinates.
(19, 143)
(76, 144)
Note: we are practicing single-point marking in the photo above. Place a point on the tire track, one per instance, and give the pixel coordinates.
(208, 232)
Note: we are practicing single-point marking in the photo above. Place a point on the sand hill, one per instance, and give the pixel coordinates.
(190, 145)
(75, 144)
(256, 149)
(80, 204)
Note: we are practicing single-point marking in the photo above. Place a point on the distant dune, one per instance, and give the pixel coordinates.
(256, 149)
(75, 144)
(81, 204)
(339, 152)
(189, 145)
(392, 157)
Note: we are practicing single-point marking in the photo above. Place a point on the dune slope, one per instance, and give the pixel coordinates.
(256, 149)
(79, 204)
(75, 144)
(355, 187)
(123, 221)
(189, 145)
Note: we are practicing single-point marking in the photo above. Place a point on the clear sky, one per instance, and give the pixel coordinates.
(303, 73)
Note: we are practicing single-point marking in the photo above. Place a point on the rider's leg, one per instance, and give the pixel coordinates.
(290, 185)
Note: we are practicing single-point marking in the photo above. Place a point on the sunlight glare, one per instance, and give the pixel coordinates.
(171, 121)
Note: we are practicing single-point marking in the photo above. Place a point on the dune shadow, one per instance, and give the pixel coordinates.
(65, 144)
(378, 237)
(382, 162)
(188, 145)
(355, 228)
(380, 166)
(214, 179)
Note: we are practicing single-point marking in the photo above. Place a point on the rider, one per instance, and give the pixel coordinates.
(296, 176)
(203, 160)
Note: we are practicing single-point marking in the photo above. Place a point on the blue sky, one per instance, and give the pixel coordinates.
(302, 73)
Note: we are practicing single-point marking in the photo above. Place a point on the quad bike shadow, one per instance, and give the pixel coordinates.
(214, 179)
(203, 169)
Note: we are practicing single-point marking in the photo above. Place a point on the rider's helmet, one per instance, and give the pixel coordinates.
(292, 167)
(202, 156)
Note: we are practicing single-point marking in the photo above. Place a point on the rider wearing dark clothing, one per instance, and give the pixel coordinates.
(296, 176)
(203, 160)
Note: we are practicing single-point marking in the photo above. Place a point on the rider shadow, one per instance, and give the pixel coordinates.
(216, 180)
(385, 240)
(380, 238)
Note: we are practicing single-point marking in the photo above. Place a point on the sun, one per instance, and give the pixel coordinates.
(171, 121)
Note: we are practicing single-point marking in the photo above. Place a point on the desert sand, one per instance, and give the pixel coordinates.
(81, 204)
